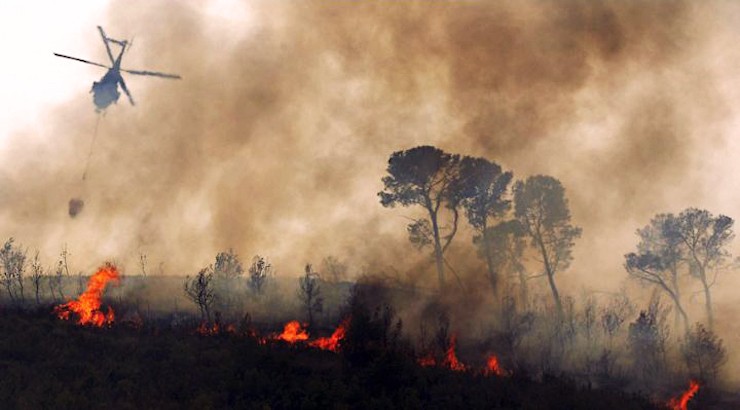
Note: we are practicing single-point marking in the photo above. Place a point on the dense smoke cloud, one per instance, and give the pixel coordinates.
(277, 137)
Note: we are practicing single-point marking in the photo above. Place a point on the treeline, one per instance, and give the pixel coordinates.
(523, 232)
(440, 182)
(23, 278)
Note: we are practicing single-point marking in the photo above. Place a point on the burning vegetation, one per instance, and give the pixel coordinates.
(293, 333)
(449, 359)
(370, 330)
(682, 402)
(87, 306)
(332, 343)
(493, 367)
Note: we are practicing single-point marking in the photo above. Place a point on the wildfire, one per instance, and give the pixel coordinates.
(493, 367)
(450, 360)
(87, 305)
(682, 402)
(332, 342)
(293, 332)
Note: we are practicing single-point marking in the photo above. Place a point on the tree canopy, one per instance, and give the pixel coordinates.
(541, 208)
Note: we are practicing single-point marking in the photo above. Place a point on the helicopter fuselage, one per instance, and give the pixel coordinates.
(105, 92)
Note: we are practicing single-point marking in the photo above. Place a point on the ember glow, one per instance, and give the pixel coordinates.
(87, 306)
(682, 402)
(493, 367)
(293, 332)
(206, 329)
(332, 342)
(426, 361)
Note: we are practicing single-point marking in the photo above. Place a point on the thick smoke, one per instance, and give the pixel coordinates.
(277, 137)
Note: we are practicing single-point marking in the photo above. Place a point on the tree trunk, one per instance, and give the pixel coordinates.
(61, 287)
(10, 293)
(555, 294)
(550, 277)
(310, 313)
(523, 288)
(438, 251)
(20, 285)
(492, 275)
(51, 289)
(681, 312)
(708, 303)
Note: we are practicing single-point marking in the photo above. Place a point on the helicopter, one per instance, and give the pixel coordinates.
(105, 91)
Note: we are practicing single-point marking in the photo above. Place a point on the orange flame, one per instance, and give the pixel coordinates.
(332, 342)
(87, 306)
(682, 402)
(450, 360)
(293, 332)
(493, 367)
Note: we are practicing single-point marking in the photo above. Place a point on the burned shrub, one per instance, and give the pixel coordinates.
(199, 290)
(704, 353)
(309, 293)
(259, 272)
(647, 339)
(373, 330)
(226, 273)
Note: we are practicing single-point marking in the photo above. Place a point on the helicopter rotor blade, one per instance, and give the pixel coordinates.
(81, 60)
(107, 47)
(153, 73)
(125, 90)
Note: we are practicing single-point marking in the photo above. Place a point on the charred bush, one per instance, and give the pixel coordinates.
(374, 330)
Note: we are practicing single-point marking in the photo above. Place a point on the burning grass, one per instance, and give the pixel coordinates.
(493, 367)
(366, 340)
(682, 401)
(87, 305)
(165, 367)
(293, 332)
(333, 342)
